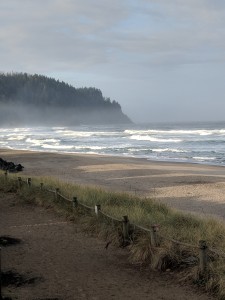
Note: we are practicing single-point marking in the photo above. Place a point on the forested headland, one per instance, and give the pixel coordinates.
(38, 100)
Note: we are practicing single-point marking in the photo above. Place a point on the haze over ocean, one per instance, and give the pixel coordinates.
(183, 142)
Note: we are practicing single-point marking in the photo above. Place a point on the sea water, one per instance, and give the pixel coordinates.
(183, 142)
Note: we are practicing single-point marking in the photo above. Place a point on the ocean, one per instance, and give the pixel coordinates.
(202, 143)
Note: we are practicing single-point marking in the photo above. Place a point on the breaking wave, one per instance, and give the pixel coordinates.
(198, 143)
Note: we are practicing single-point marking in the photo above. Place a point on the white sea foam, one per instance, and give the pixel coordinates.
(154, 139)
(16, 130)
(51, 140)
(58, 147)
(59, 128)
(40, 142)
(84, 134)
(34, 141)
(176, 132)
(72, 133)
(90, 147)
(138, 149)
(168, 150)
(16, 138)
(203, 158)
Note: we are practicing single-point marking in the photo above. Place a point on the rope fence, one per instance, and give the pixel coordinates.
(128, 229)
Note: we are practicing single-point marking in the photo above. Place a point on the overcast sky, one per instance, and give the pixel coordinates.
(161, 60)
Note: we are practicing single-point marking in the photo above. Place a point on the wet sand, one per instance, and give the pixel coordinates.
(188, 187)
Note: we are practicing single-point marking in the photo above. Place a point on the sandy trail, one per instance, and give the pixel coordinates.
(67, 265)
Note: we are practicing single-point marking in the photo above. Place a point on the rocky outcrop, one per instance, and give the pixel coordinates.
(10, 166)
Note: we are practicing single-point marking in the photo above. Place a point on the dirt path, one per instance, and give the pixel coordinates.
(58, 262)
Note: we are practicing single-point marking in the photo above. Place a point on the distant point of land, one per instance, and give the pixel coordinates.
(38, 100)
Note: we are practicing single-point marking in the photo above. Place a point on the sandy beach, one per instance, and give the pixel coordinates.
(189, 187)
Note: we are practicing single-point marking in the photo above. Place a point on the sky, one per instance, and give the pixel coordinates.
(163, 61)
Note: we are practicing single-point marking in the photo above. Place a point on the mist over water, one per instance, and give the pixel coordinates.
(195, 142)
(20, 115)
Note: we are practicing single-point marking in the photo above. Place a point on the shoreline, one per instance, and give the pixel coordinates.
(156, 161)
(196, 188)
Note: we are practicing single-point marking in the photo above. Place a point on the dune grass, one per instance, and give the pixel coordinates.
(183, 227)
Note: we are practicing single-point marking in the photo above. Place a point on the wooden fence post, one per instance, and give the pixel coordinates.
(6, 175)
(41, 185)
(19, 182)
(125, 228)
(0, 273)
(29, 182)
(75, 203)
(203, 256)
(153, 234)
(56, 194)
(97, 209)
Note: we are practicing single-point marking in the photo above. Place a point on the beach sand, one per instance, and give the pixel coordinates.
(189, 187)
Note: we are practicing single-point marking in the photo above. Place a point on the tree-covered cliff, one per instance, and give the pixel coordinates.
(35, 99)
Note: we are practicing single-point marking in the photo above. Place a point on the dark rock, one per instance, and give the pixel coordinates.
(8, 241)
(16, 279)
(10, 166)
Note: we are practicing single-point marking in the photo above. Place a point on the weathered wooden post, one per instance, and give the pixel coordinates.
(19, 182)
(0, 273)
(97, 209)
(29, 182)
(75, 203)
(153, 234)
(125, 228)
(203, 256)
(56, 194)
(41, 185)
